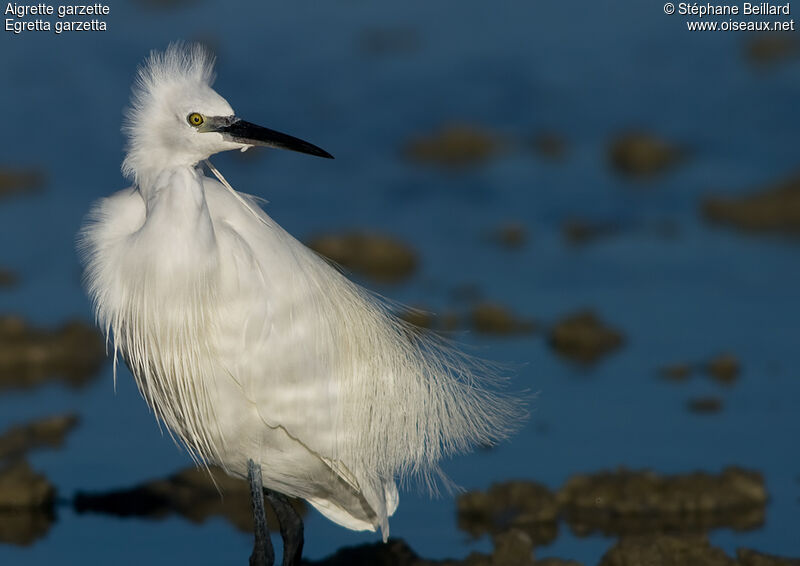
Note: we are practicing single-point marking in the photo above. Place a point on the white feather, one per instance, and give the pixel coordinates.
(246, 344)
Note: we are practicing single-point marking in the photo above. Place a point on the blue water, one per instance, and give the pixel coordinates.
(583, 69)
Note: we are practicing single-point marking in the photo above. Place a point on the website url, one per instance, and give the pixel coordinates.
(736, 25)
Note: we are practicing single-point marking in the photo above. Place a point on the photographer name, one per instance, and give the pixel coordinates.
(747, 9)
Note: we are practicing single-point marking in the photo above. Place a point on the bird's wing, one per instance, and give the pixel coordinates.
(327, 361)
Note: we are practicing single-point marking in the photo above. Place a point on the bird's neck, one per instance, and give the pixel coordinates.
(174, 188)
(152, 182)
(177, 213)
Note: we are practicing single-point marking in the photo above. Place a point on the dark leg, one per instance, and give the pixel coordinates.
(291, 527)
(263, 554)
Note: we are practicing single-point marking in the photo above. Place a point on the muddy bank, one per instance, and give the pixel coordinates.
(772, 47)
(379, 257)
(618, 503)
(15, 181)
(8, 279)
(514, 550)
(494, 318)
(550, 145)
(667, 550)
(455, 145)
(578, 231)
(584, 338)
(72, 353)
(509, 235)
(723, 368)
(190, 493)
(48, 432)
(637, 502)
(485, 317)
(522, 505)
(771, 209)
(642, 155)
(26, 504)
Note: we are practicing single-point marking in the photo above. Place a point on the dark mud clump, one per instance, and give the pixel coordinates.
(676, 372)
(510, 235)
(492, 318)
(27, 498)
(579, 231)
(515, 547)
(189, 493)
(664, 550)
(749, 557)
(8, 279)
(639, 154)
(26, 504)
(393, 553)
(521, 505)
(376, 256)
(724, 368)
(31, 356)
(627, 502)
(705, 405)
(422, 319)
(419, 318)
(511, 549)
(47, 432)
(584, 338)
(662, 521)
(684, 550)
(456, 145)
(19, 181)
(769, 48)
(775, 208)
(22, 488)
(550, 145)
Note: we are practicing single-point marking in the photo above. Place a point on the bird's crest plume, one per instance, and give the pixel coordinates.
(182, 67)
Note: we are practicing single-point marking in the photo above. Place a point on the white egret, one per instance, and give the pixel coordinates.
(255, 353)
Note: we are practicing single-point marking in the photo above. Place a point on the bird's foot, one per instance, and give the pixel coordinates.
(263, 554)
(291, 527)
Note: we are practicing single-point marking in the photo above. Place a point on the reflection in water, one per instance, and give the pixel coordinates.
(622, 503)
(47, 432)
(520, 505)
(24, 526)
(631, 503)
(26, 504)
(190, 493)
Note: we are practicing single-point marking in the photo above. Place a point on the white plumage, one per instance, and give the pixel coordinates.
(246, 344)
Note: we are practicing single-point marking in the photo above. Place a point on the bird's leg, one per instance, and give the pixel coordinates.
(291, 527)
(263, 554)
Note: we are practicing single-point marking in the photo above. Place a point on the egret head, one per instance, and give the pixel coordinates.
(176, 119)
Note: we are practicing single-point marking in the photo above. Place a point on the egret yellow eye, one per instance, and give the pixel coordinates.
(195, 119)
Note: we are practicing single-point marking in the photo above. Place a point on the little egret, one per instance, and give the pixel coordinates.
(256, 353)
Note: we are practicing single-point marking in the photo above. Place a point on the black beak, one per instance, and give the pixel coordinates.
(244, 132)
